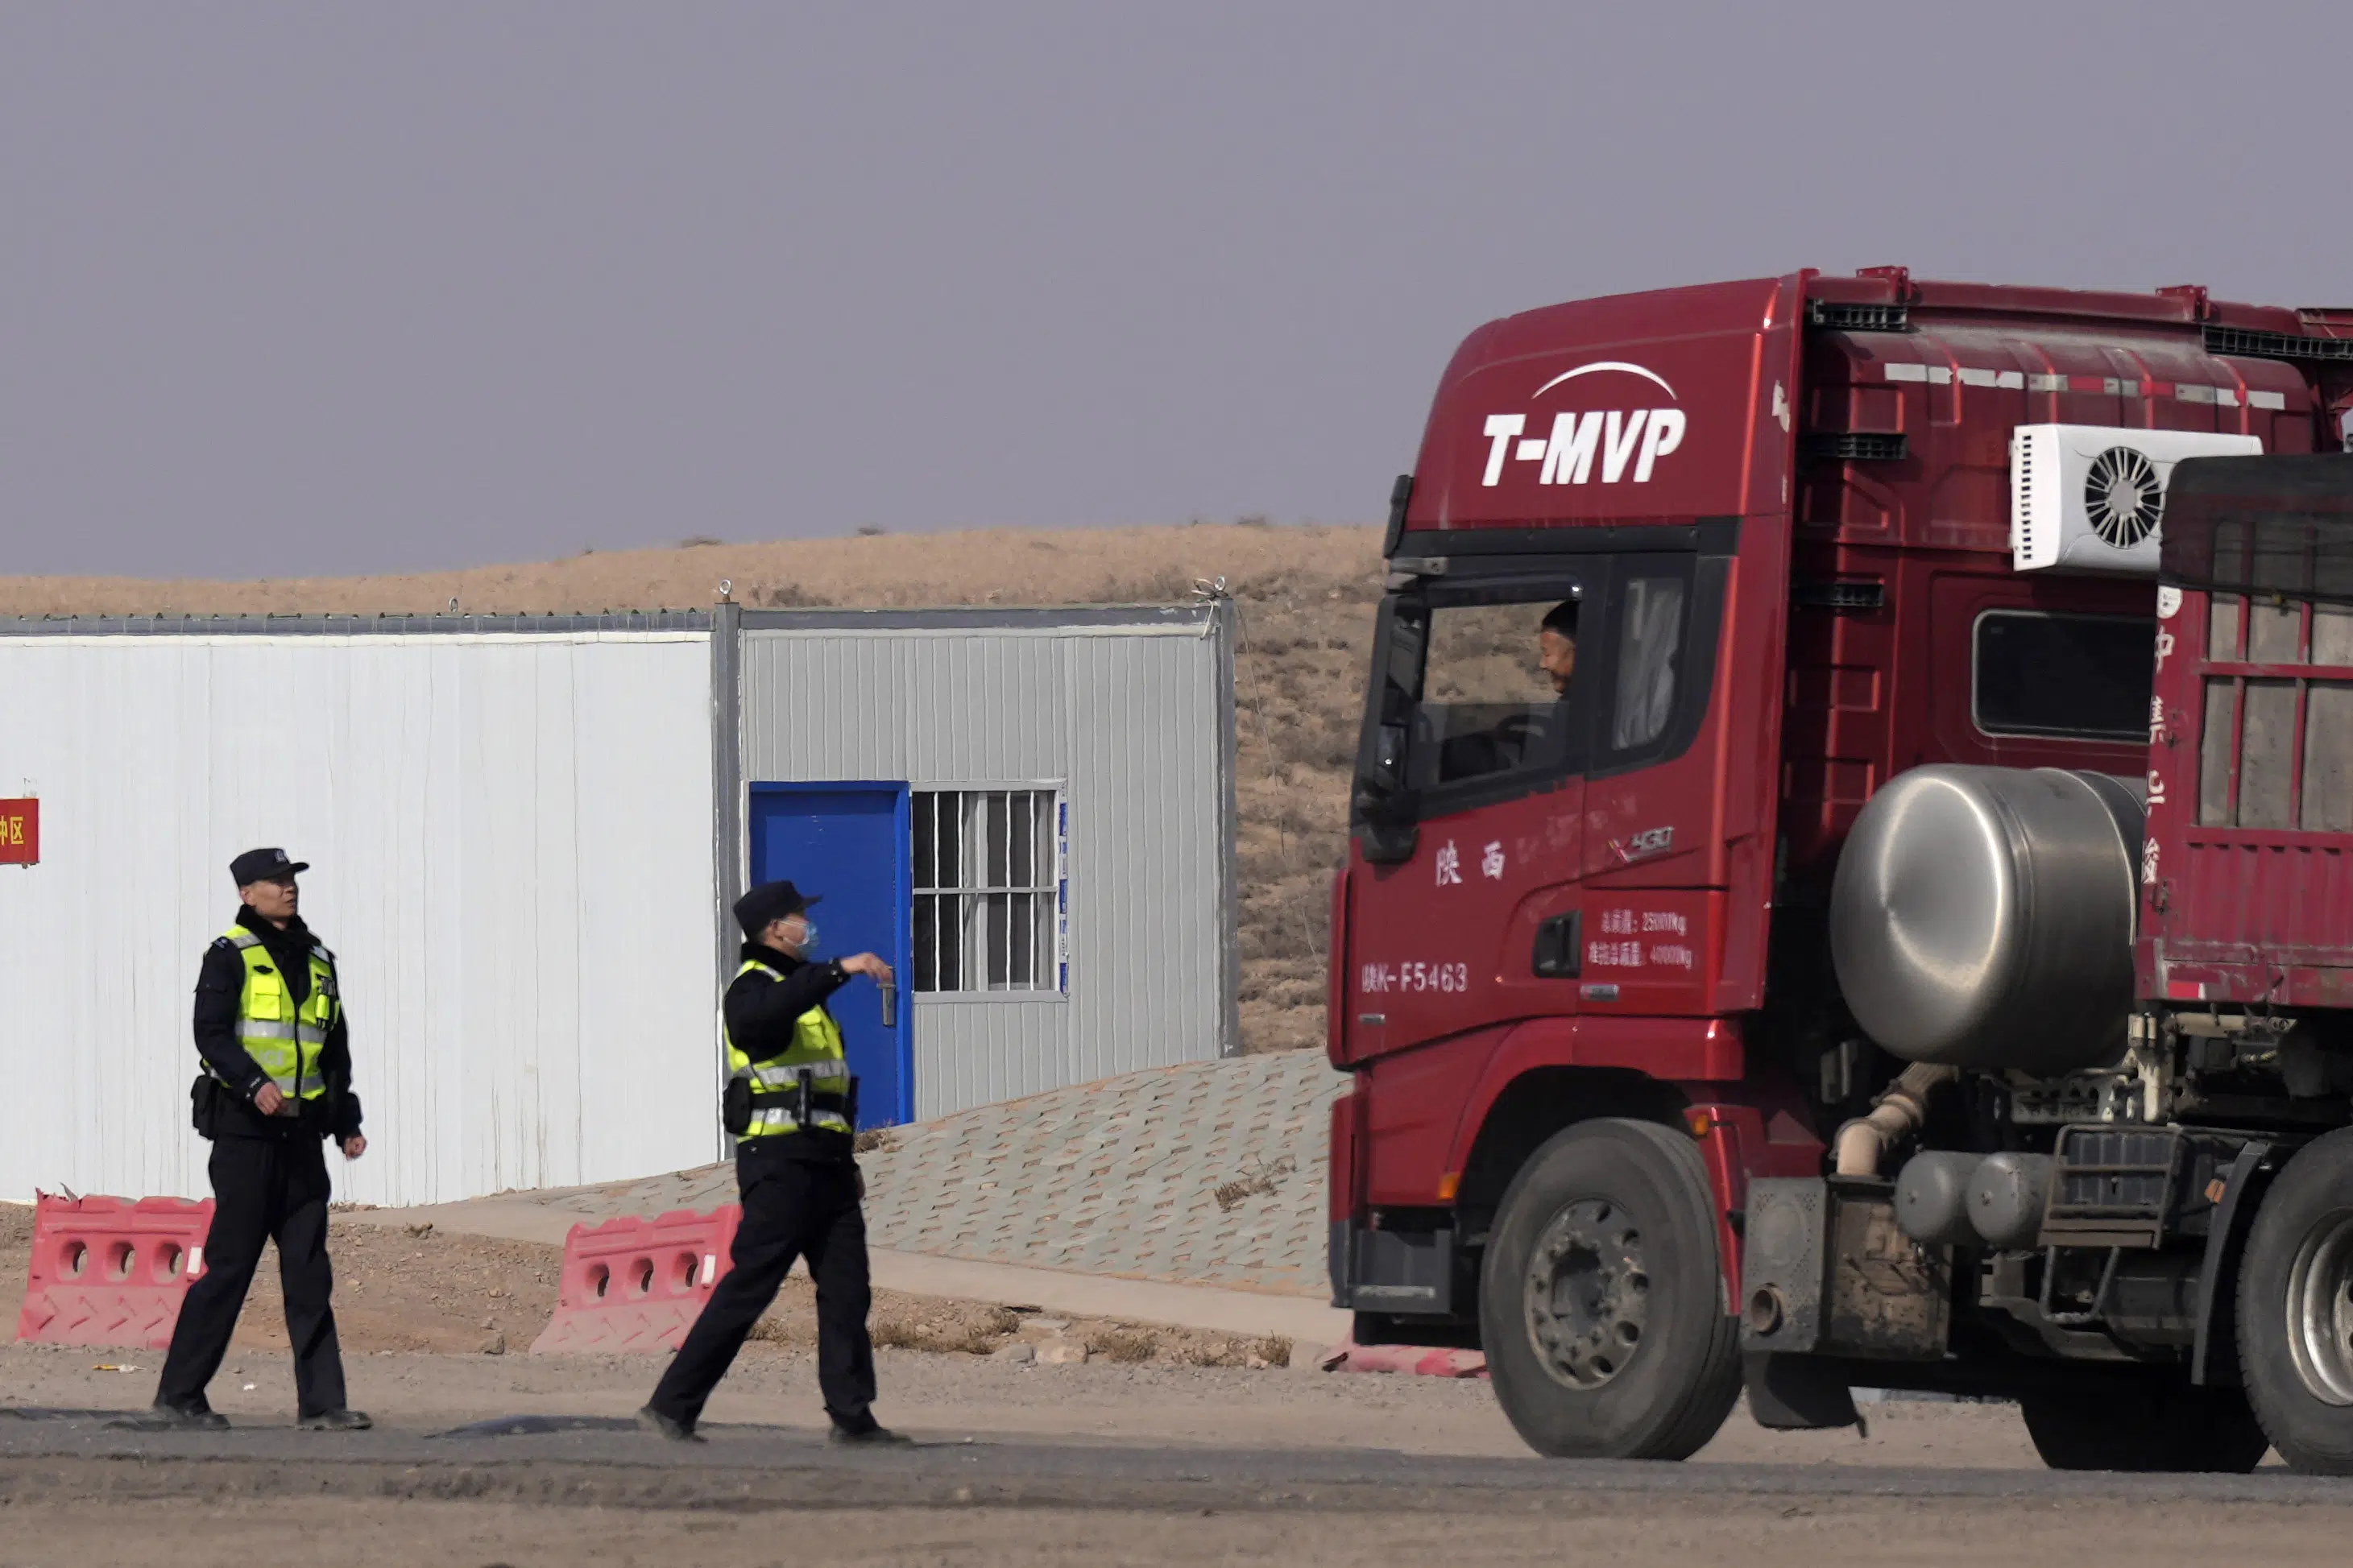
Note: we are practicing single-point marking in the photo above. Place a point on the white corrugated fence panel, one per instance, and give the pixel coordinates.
(511, 836)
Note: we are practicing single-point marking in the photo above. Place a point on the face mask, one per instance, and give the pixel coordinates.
(808, 936)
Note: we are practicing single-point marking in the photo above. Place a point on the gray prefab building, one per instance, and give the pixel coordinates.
(1068, 831)
(527, 832)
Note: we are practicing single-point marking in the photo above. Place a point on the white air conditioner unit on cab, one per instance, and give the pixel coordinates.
(2091, 497)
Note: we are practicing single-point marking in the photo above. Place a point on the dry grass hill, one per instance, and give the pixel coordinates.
(1306, 598)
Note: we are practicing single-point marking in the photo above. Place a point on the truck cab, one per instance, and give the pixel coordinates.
(1681, 582)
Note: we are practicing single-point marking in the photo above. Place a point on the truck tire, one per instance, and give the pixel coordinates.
(2295, 1309)
(2157, 1422)
(1601, 1303)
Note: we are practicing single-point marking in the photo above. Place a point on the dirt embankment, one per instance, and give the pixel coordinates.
(399, 1289)
(1305, 594)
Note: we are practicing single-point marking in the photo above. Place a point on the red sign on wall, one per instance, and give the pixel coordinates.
(20, 832)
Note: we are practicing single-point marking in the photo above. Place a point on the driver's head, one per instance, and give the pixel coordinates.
(1556, 645)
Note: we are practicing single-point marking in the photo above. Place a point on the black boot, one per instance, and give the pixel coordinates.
(865, 1431)
(669, 1427)
(335, 1421)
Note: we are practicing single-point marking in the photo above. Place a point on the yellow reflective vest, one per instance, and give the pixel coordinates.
(284, 1040)
(774, 1081)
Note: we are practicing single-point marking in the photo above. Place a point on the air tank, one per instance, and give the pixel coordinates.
(1954, 1198)
(1983, 917)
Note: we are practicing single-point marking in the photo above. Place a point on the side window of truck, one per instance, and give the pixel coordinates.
(2064, 675)
(1494, 701)
(1478, 695)
(1648, 691)
(1649, 645)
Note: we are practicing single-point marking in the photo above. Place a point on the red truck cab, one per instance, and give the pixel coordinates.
(1681, 580)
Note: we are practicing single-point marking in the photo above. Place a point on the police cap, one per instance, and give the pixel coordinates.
(261, 865)
(770, 901)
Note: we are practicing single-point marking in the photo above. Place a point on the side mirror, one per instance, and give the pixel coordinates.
(1383, 821)
(1387, 843)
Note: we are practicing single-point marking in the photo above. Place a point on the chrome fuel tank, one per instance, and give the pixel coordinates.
(1983, 917)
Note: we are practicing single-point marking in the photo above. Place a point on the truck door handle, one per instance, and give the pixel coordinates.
(1558, 952)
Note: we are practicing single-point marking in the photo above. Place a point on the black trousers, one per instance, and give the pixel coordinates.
(792, 1208)
(264, 1189)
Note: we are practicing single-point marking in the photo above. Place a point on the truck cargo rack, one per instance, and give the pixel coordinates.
(2249, 343)
(1852, 316)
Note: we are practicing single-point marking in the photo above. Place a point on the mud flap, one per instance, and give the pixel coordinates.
(1797, 1393)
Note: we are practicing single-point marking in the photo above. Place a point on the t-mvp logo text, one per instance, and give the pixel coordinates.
(1620, 438)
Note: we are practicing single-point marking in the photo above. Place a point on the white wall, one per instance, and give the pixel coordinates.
(511, 839)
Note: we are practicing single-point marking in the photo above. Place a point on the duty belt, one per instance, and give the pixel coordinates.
(803, 1100)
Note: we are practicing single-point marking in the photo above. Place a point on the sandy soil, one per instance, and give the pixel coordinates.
(401, 1290)
(1306, 598)
(50, 1515)
(953, 1396)
(1757, 1533)
(402, 1295)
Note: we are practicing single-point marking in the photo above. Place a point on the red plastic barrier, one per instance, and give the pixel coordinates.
(1425, 1361)
(637, 1285)
(108, 1272)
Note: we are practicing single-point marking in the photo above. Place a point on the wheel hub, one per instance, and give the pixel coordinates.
(2320, 1309)
(1588, 1293)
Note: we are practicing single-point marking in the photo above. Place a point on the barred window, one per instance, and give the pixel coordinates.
(989, 890)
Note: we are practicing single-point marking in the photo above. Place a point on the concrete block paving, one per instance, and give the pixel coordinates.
(1115, 1177)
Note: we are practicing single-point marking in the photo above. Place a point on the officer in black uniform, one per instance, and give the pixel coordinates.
(276, 1083)
(792, 1109)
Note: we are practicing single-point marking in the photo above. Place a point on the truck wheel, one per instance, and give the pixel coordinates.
(2161, 1422)
(2295, 1309)
(1601, 1303)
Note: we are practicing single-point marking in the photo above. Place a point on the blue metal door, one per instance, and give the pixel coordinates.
(847, 843)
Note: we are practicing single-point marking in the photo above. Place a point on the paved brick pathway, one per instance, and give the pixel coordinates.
(1119, 1177)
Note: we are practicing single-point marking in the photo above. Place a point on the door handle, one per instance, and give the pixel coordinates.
(1559, 953)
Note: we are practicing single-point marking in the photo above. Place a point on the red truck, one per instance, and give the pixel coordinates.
(1851, 878)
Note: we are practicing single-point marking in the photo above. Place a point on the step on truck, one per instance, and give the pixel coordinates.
(1851, 876)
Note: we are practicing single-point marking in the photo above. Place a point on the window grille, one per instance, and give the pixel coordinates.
(990, 891)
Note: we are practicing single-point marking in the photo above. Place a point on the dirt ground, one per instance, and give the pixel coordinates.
(1756, 1532)
(418, 1312)
(949, 1398)
(415, 1309)
(1305, 595)
(398, 1291)
(59, 1520)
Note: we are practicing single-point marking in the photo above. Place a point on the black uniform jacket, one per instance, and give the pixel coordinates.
(761, 1013)
(218, 986)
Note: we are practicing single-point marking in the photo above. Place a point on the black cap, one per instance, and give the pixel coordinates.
(769, 901)
(261, 865)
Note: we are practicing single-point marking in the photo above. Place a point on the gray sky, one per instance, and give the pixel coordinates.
(335, 287)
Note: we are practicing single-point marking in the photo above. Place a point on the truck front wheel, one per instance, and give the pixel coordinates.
(1601, 1300)
(2295, 1309)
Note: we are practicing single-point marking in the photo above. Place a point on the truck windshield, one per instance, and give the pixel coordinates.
(2040, 674)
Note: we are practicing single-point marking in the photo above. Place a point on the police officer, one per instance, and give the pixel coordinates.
(792, 1105)
(276, 1082)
